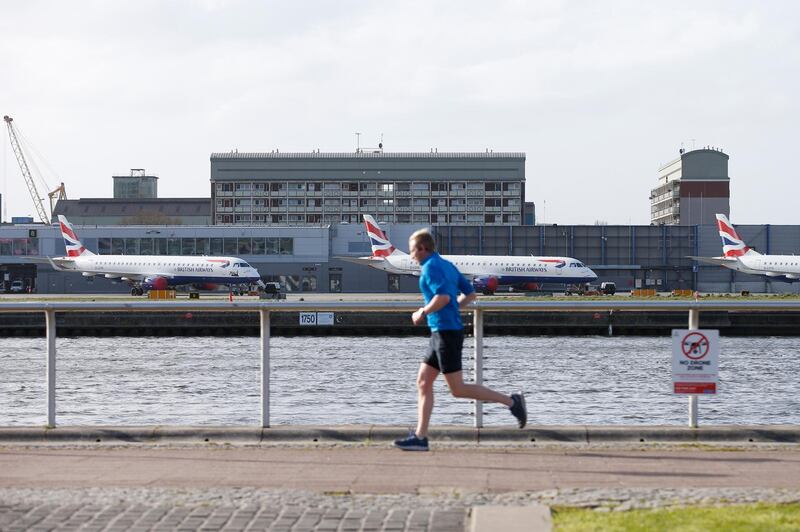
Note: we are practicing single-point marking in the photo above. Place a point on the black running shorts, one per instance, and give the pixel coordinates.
(444, 352)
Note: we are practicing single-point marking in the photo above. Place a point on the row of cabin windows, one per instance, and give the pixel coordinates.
(571, 264)
(163, 263)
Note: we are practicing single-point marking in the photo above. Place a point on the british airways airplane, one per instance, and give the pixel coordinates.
(487, 272)
(736, 255)
(152, 272)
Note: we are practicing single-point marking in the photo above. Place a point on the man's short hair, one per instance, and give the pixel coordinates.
(424, 238)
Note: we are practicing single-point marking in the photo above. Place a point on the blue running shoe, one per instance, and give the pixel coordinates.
(412, 443)
(518, 409)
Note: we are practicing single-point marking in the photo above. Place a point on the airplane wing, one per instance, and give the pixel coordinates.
(367, 261)
(717, 261)
(58, 263)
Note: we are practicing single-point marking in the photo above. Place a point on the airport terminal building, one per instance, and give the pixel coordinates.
(295, 216)
(307, 259)
(332, 188)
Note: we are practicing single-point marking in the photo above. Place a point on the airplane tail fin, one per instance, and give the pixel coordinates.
(381, 247)
(75, 247)
(732, 244)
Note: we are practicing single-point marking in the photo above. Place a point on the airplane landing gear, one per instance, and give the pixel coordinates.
(137, 291)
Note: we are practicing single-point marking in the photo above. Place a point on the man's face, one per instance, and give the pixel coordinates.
(416, 251)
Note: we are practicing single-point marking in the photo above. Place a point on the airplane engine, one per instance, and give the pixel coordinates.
(156, 283)
(486, 285)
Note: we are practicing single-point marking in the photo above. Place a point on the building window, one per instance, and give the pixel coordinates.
(387, 187)
(103, 247)
(173, 246)
(259, 247)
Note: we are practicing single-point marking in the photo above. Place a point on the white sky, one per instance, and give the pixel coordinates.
(598, 94)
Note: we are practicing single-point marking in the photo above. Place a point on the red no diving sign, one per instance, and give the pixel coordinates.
(695, 356)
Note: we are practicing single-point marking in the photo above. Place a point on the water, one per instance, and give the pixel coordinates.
(338, 380)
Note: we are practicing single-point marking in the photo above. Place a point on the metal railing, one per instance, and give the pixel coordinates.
(478, 309)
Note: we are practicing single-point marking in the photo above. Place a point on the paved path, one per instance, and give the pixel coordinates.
(363, 487)
(378, 469)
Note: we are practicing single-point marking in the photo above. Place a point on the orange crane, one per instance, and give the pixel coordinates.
(55, 195)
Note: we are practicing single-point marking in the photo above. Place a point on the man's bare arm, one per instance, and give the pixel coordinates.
(464, 300)
(438, 302)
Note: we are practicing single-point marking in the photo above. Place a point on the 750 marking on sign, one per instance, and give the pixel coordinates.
(308, 318)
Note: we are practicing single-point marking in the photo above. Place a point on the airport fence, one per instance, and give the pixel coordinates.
(693, 309)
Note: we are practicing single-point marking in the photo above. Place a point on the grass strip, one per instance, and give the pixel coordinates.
(750, 518)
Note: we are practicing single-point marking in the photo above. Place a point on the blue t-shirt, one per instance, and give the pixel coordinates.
(441, 277)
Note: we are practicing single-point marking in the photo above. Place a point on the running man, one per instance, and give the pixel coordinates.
(440, 283)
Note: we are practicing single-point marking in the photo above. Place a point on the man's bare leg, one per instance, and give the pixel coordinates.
(459, 388)
(427, 374)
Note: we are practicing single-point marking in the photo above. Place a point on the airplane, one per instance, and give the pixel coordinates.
(487, 272)
(736, 255)
(152, 272)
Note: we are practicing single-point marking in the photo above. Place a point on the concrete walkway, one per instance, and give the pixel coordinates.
(378, 469)
(129, 479)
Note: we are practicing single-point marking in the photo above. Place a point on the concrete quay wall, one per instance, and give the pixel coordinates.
(730, 323)
(367, 434)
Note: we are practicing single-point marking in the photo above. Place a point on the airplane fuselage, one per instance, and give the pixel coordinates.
(176, 270)
(779, 267)
(506, 269)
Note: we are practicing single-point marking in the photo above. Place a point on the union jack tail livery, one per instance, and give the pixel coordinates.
(732, 245)
(74, 246)
(381, 247)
